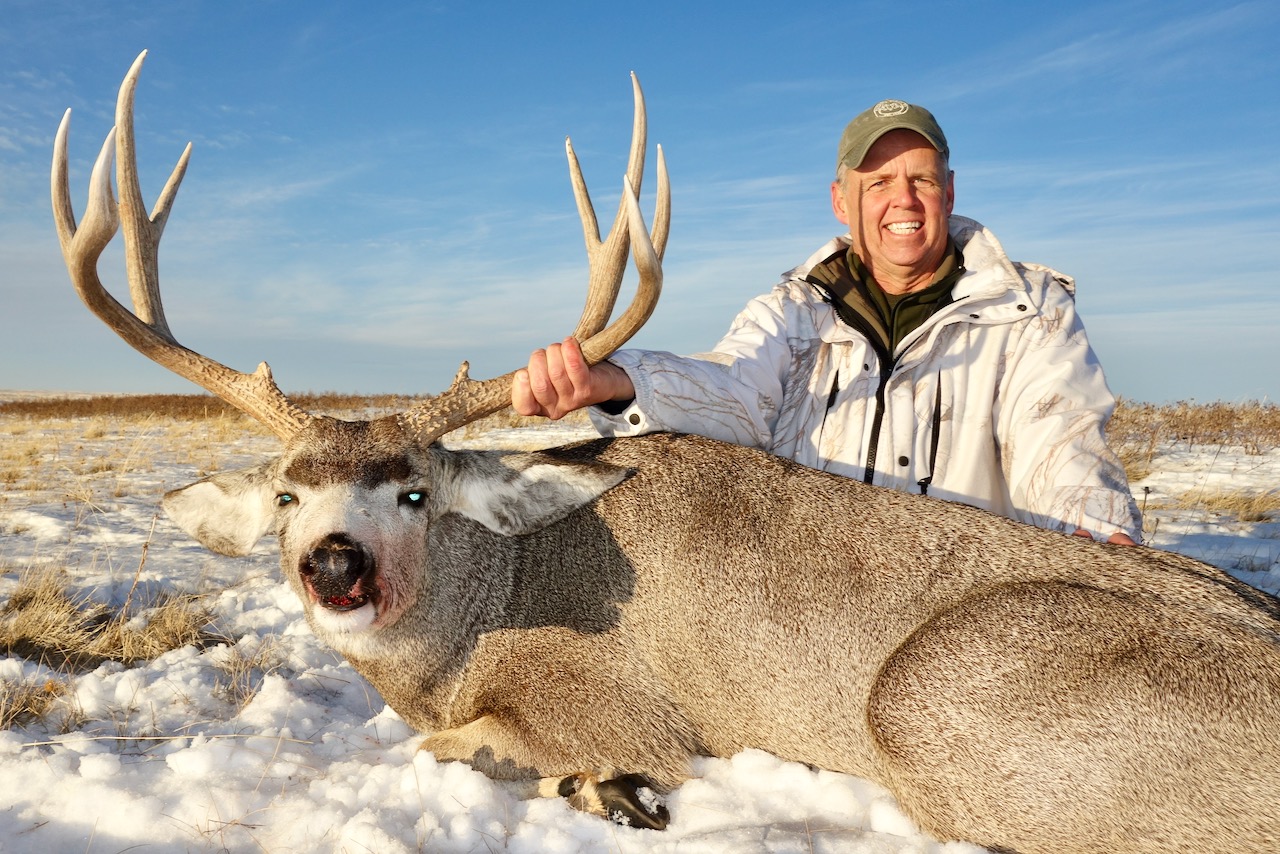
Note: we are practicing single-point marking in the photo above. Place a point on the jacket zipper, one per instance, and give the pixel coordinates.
(887, 363)
(886, 367)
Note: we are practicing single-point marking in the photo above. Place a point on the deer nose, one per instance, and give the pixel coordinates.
(335, 565)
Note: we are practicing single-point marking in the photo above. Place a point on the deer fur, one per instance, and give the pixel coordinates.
(624, 605)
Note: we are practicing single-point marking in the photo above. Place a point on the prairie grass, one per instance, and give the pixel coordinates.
(26, 700)
(1242, 505)
(42, 622)
(1138, 432)
(107, 412)
(1252, 425)
(192, 407)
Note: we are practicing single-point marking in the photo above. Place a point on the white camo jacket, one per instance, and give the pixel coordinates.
(1024, 404)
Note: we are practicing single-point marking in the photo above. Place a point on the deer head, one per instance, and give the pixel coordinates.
(348, 498)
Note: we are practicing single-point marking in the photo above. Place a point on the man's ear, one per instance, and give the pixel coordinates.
(837, 202)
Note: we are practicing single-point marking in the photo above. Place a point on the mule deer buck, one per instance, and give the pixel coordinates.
(582, 621)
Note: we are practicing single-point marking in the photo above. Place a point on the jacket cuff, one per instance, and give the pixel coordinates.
(620, 418)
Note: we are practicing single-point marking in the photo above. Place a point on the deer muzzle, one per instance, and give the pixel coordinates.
(339, 573)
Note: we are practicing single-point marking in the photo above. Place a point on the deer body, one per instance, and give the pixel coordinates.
(583, 621)
(1012, 687)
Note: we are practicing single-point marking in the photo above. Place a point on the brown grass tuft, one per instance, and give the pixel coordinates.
(26, 701)
(42, 622)
(1244, 506)
(242, 668)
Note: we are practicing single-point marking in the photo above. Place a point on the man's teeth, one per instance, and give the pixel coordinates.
(903, 227)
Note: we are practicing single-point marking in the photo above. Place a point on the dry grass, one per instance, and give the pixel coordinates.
(105, 413)
(1244, 506)
(42, 622)
(1139, 431)
(98, 441)
(243, 666)
(193, 407)
(25, 701)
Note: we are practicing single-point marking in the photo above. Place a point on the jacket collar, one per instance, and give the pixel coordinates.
(993, 287)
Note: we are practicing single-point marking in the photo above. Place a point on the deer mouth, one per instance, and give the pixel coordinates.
(344, 602)
(339, 574)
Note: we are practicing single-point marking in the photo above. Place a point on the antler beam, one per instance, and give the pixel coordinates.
(256, 394)
(145, 328)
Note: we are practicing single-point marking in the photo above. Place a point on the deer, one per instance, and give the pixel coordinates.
(583, 621)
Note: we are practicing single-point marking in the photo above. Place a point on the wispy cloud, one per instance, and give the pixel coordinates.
(1132, 40)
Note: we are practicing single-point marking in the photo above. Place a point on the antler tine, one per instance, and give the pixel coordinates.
(145, 329)
(142, 234)
(648, 250)
(608, 258)
(467, 400)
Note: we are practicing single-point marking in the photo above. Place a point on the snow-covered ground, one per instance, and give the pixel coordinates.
(161, 757)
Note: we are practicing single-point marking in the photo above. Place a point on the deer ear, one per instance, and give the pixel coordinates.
(228, 512)
(521, 493)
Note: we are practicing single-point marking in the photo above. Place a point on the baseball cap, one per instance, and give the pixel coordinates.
(868, 126)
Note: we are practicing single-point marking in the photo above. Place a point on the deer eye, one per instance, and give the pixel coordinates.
(413, 498)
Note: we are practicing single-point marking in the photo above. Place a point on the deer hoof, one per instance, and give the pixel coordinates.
(631, 800)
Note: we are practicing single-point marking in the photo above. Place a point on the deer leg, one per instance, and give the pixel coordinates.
(498, 750)
(627, 799)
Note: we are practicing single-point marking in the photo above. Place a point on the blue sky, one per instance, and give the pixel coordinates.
(378, 190)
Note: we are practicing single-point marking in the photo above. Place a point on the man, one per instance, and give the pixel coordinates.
(911, 353)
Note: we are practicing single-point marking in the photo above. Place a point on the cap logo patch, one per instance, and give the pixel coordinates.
(889, 109)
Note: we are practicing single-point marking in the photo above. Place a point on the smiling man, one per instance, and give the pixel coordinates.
(910, 352)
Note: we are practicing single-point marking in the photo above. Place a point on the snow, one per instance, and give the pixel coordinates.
(167, 755)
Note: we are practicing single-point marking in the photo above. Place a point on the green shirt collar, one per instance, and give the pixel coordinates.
(885, 318)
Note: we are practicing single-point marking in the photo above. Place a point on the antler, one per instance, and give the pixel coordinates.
(467, 400)
(257, 395)
(145, 328)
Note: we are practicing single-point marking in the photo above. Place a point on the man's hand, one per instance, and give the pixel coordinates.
(1119, 538)
(558, 380)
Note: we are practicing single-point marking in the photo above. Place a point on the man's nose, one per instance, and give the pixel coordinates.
(905, 195)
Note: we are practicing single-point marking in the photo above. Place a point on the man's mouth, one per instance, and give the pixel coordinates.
(904, 227)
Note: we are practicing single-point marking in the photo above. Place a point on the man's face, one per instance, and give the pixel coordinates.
(896, 205)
